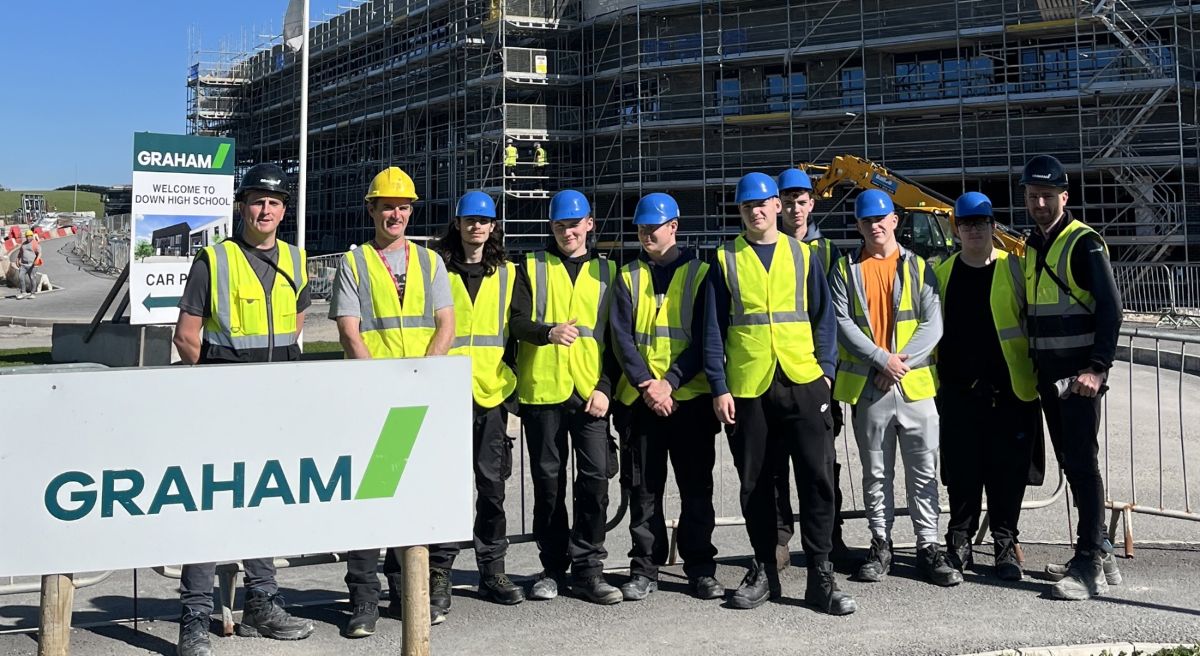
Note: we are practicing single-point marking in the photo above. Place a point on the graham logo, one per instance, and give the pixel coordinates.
(1042, 176)
(184, 160)
(73, 495)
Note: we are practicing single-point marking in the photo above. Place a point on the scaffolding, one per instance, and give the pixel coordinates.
(686, 96)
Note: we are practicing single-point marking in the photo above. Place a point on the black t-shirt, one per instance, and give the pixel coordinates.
(196, 292)
(970, 349)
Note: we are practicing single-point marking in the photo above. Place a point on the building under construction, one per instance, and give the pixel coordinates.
(685, 96)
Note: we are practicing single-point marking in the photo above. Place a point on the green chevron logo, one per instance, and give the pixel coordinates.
(390, 456)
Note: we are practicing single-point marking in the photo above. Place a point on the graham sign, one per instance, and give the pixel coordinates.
(182, 202)
(173, 478)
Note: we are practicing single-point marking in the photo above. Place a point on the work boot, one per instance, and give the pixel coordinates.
(638, 588)
(500, 589)
(439, 589)
(1008, 567)
(265, 617)
(546, 586)
(193, 635)
(759, 585)
(596, 590)
(823, 594)
(1112, 575)
(1084, 579)
(706, 587)
(878, 562)
(362, 620)
(783, 557)
(935, 567)
(958, 551)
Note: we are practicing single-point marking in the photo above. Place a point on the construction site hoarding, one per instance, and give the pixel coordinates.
(158, 465)
(182, 202)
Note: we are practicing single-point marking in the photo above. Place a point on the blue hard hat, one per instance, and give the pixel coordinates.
(755, 186)
(971, 204)
(568, 205)
(476, 203)
(872, 202)
(794, 179)
(655, 209)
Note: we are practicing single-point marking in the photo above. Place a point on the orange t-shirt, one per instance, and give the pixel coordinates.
(879, 281)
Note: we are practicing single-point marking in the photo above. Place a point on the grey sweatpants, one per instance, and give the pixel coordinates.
(26, 278)
(881, 420)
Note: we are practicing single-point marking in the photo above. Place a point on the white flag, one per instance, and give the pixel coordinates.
(293, 25)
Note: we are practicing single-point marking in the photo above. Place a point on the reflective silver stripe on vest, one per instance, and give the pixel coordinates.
(1011, 333)
(297, 267)
(367, 319)
(738, 314)
(601, 309)
(496, 339)
(246, 342)
(539, 293)
(224, 300)
(1060, 343)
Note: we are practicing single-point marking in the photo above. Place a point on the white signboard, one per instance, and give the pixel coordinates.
(182, 202)
(149, 468)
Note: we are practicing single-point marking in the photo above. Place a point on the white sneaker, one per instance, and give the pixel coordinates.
(22, 295)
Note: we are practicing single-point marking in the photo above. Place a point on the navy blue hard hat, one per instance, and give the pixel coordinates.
(1044, 171)
(795, 179)
(476, 203)
(568, 205)
(972, 204)
(655, 209)
(871, 203)
(754, 187)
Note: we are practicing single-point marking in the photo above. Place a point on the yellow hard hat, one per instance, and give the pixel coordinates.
(28, 233)
(392, 183)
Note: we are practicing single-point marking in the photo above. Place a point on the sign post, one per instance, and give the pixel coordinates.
(182, 202)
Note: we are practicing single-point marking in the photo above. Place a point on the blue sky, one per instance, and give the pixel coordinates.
(80, 77)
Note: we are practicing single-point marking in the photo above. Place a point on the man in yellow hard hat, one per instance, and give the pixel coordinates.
(391, 299)
(28, 254)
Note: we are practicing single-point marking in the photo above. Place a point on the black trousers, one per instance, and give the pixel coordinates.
(362, 576)
(492, 450)
(785, 516)
(196, 583)
(1074, 423)
(581, 546)
(788, 421)
(987, 443)
(687, 438)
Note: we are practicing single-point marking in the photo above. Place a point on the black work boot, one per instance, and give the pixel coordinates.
(1112, 573)
(878, 562)
(1085, 578)
(596, 590)
(760, 584)
(705, 587)
(935, 567)
(362, 620)
(193, 635)
(638, 587)
(265, 617)
(958, 551)
(439, 594)
(1008, 567)
(500, 589)
(823, 594)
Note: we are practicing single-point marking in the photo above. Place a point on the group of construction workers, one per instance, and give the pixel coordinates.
(767, 338)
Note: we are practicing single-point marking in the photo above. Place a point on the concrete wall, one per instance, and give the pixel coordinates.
(114, 345)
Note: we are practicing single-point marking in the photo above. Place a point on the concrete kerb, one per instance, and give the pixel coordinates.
(36, 322)
(1112, 648)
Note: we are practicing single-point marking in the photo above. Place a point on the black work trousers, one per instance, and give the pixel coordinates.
(196, 583)
(687, 437)
(987, 443)
(492, 451)
(791, 421)
(362, 576)
(1074, 423)
(547, 427)
(786, 517)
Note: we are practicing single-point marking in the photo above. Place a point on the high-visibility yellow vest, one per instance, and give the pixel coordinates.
(510, 155)
(1061, 325)
(1007, 300)
(390, 330)
(238, 317)
(768, 316)
(481, 332)
(823, 249)
(539, 156)
(548, 374)
(663, 332)
(921, 381)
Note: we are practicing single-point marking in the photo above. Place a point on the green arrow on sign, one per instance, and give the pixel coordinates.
(152, 301)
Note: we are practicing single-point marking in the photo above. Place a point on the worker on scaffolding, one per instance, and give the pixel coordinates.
(539, 156)
(889, 324)
(796, 193)
(657, 323)
(391, 299)
(769, 353)
(565, 374)
(1074, 315)
(255, 264)
(991, 422)
(510, 157)
(481, 282)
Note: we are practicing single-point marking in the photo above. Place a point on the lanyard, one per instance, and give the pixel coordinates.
(392, 274)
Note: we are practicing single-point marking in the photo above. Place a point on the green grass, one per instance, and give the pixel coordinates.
(24, 357)
(56, 201)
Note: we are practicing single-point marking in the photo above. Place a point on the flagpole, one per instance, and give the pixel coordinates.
(302, 186)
